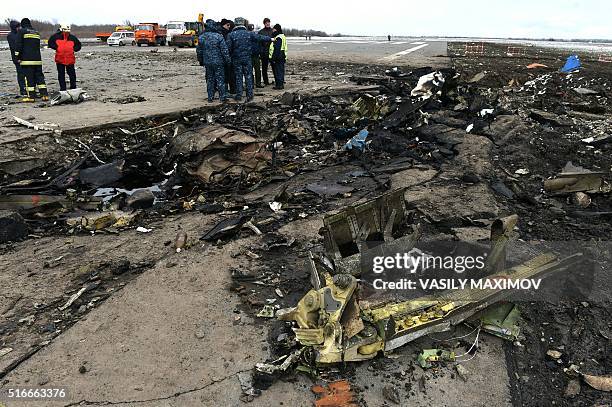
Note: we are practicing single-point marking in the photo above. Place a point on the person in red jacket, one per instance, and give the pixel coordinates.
(65, 45)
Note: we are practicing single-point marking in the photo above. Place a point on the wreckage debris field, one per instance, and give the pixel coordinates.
(179, 236)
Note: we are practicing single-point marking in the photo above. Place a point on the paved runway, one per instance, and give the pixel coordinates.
(405, 50)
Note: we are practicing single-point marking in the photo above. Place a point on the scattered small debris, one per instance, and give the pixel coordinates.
(226, 228)
(275, 206)
(201, 333)
(73, 298)
(101, 220)
(267, 311)
(128, 99)
(427, 356)
(246, 385)
(358, 142)
(581, 199)
(392, 394)
(573, 388)
(462, 372)
(180, 241)
(522, 171)
(536, 65)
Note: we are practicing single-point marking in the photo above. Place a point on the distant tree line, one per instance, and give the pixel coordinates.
(296, 32)
(46, 28)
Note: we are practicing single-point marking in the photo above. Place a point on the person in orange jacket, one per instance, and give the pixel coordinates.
(65, 45)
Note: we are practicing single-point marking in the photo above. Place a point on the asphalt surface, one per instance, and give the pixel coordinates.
(401, 51)
(404, 50)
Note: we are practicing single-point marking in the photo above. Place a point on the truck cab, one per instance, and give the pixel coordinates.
(150, 33)
(189, 36)
(174, 28)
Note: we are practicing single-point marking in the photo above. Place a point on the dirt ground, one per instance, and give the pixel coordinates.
(155, 327)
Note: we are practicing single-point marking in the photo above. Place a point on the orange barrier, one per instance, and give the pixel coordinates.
(514, 51)
(605, 58)
(474, 48)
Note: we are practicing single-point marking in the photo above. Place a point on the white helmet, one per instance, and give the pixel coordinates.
(65, 27)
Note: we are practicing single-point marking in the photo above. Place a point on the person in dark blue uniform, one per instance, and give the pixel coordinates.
(213, 56)
(12, 41)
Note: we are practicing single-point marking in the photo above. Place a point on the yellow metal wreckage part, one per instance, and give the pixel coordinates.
(320, 322)
(319, 317)
(339, 326)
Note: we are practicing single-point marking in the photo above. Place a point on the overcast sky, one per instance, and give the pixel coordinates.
(488, 18)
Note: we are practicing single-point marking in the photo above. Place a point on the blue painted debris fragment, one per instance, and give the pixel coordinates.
(572, 64)
(358, 141)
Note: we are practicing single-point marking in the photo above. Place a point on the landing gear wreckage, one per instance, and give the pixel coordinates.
(334, 324)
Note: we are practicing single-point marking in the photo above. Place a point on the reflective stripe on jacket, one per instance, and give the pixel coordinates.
(27, 47)
(282, 53)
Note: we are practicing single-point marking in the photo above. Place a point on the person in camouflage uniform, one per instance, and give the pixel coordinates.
(213, 54)
(240, 45)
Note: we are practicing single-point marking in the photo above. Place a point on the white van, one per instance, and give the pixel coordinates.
(121, 38)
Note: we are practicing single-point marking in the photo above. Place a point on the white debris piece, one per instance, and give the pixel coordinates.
(427, 84)
(54, 127)
(275, 206)
(77, 95)
(72, 299)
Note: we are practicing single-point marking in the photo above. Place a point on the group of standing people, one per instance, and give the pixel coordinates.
(231, 51)
(24, 42)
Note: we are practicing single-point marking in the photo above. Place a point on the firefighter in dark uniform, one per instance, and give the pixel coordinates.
(27, 51)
